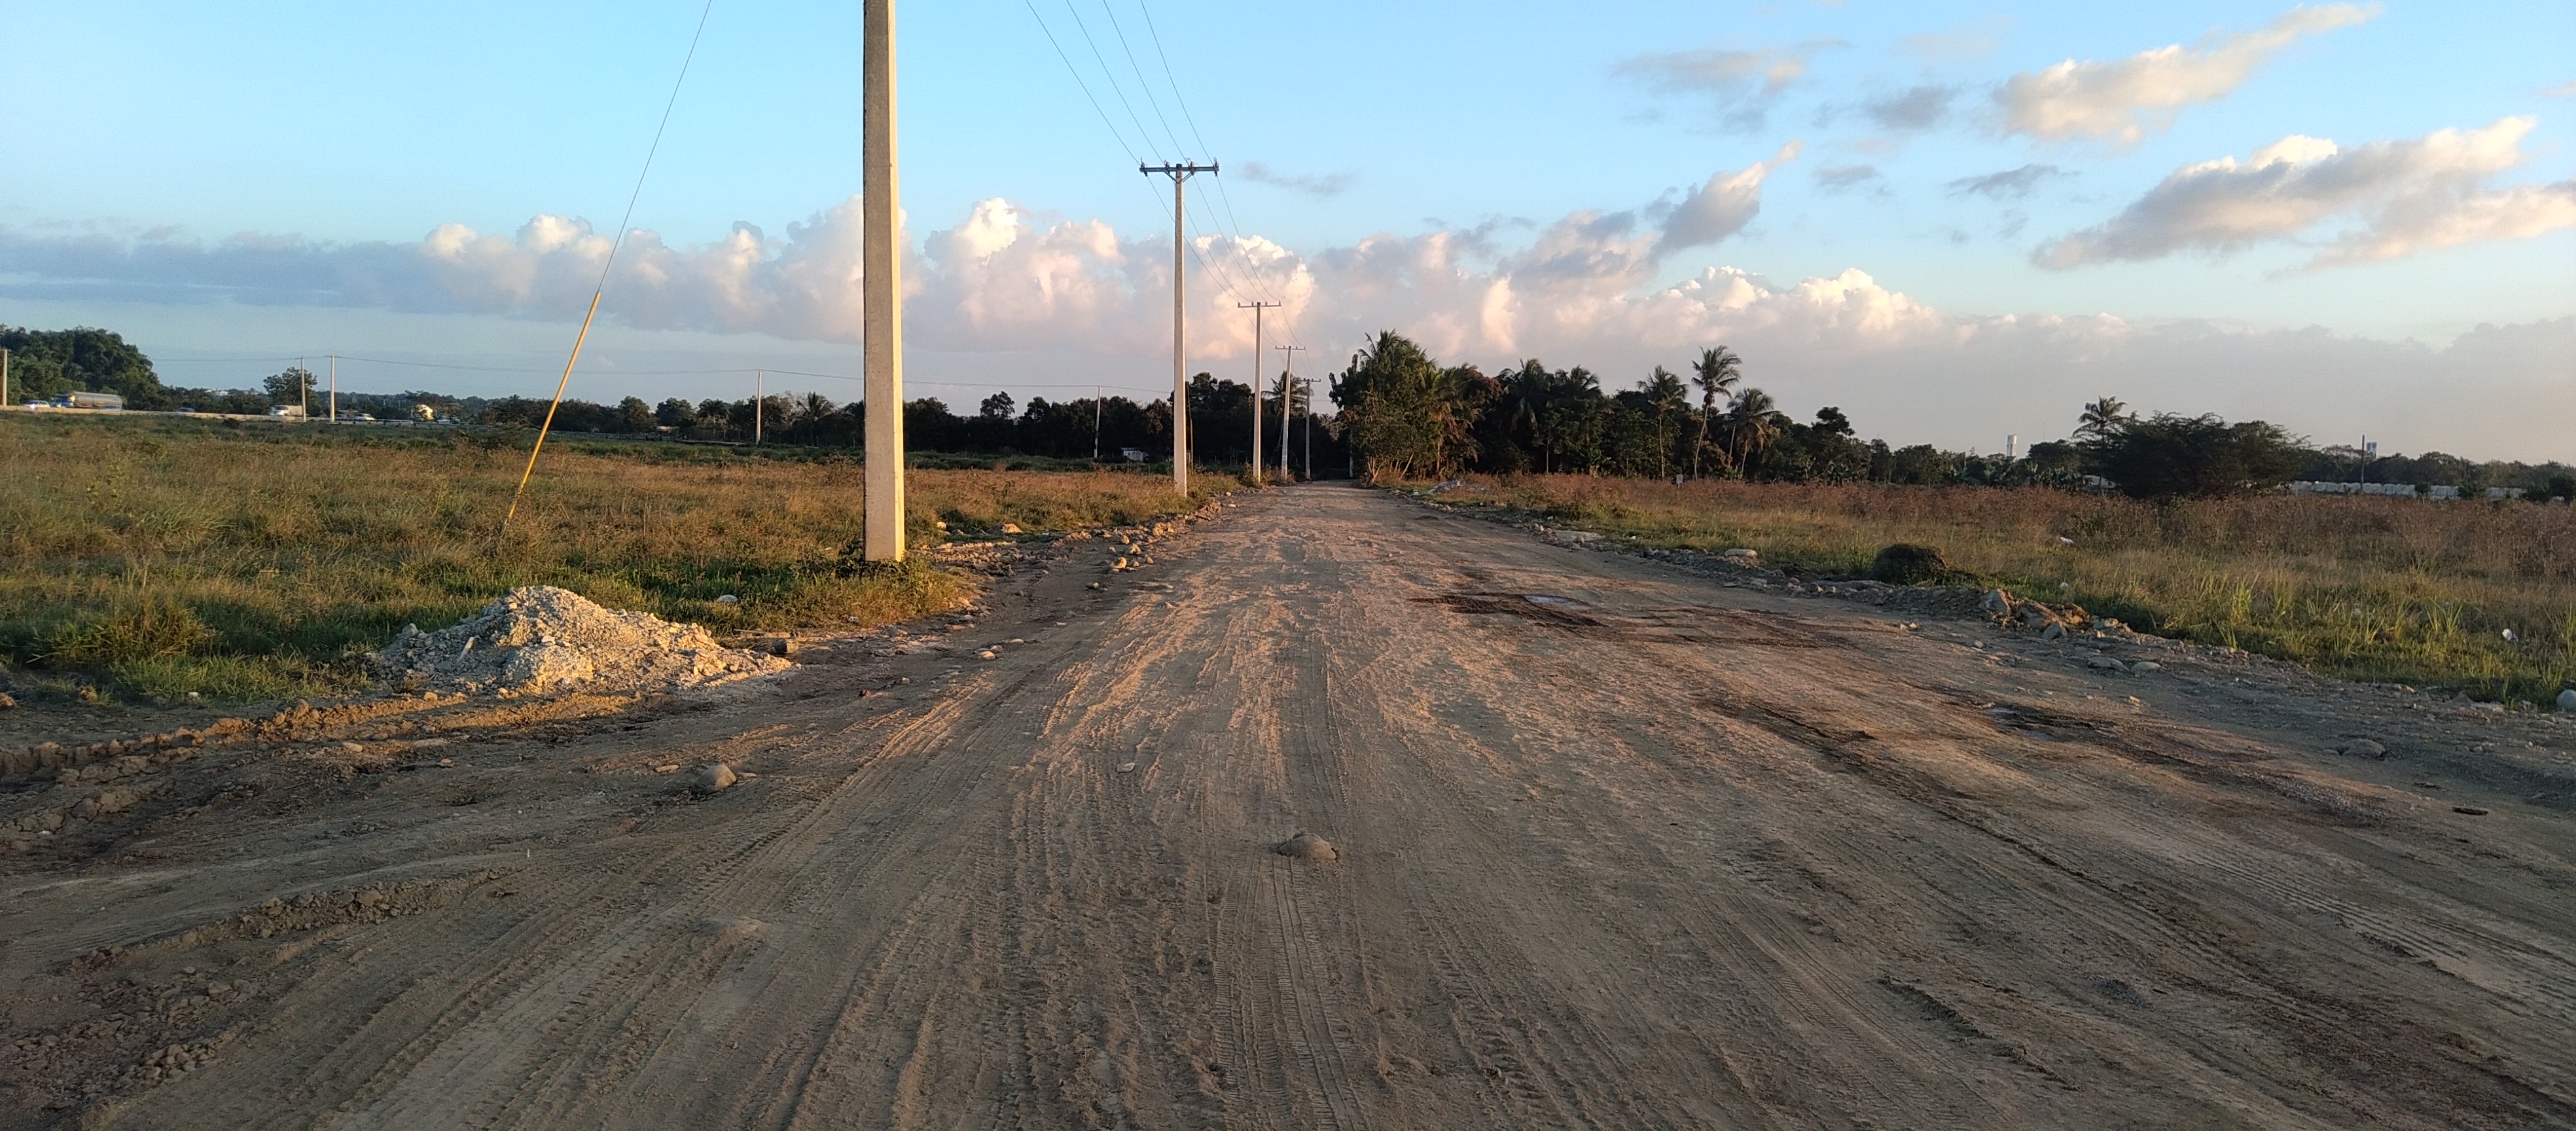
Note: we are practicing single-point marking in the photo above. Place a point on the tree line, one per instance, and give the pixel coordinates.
(1408, 416)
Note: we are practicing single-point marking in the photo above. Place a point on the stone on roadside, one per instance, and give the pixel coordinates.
(2365, 748)
(1997, 602)
(2106, 663)
(2054, 631)
(1906, 564)
(1306, 846)
(716, 776)
(2567, 700)
(2146, 666)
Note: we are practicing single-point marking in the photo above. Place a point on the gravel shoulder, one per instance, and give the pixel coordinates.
(1615, 844)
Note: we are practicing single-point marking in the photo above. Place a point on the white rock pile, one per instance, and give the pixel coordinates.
(542, 639)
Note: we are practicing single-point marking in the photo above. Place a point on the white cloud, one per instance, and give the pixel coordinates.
(2126, 99)
(1321, 186)
(1592, 288)
(1740, 85)
(2410, 196)
(1916, 108)
(1723, 206)
(2010, 184)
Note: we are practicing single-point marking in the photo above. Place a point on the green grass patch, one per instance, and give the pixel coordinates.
(2378, 589)
(156, 556)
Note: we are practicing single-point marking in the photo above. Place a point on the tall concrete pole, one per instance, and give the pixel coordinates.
(335, 388)
(1257, 306)
(882, 290)
(1287, 393)
(1180, 316)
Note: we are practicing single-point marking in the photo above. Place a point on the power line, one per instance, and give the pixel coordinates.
(1183, 102)
(1111, 78)
(1077, 81)
(610, 260)
(1143, 83)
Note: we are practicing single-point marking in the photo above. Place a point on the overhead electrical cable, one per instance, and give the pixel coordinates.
(1142, 83)
(1076, 72)
(1111, 77)
(609, 262)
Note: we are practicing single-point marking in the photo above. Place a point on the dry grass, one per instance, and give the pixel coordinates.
(161, 557)
(2369, 588)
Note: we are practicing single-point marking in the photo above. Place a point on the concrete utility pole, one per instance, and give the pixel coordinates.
(1309, 386)
(759, 404)
(1287, 394)
(4, 378)
(303, 390)
(1095, 426)
(1256, 306)
(882, 289)
(335, 388)
(1180, 371)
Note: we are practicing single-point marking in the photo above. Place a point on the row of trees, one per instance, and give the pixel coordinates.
(1409, 416)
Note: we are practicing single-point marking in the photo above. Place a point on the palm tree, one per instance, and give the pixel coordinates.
(1666, 394)
(1717, 372)
(2103, 417)
(1753, 423)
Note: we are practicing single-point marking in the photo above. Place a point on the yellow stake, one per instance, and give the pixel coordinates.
(560, 386)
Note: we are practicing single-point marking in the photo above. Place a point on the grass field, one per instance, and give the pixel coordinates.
(157, 557)
(2374, 589)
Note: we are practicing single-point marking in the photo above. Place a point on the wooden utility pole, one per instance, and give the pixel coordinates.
(4, 378)
(1286, 394)
(882, 289)
(1256, 306)
(1180, 345)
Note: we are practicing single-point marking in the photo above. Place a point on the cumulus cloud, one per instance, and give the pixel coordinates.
(1591, 288)
(2123, 100)
(2409, 196)
(1740, 86)
(1320, 187)
(1723, 206)
(2011, 184)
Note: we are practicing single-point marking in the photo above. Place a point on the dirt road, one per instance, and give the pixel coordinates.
(1619, 847)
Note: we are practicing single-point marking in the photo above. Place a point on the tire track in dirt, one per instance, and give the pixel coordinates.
(1648, 853)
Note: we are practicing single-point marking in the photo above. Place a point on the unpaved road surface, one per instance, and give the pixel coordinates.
(1647, 852)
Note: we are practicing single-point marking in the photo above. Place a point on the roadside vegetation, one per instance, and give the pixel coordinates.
(155, 557)
(2376, 589)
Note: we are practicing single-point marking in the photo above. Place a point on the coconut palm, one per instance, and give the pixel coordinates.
(1753, 423)
(1665, 396)
(2103, 417)
(1717, 372)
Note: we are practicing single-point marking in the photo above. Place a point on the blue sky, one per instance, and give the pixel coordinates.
(1583, 183)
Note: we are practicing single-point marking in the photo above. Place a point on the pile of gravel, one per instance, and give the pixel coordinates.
(540, 639)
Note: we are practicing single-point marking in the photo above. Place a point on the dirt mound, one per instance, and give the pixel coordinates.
(540, 638)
